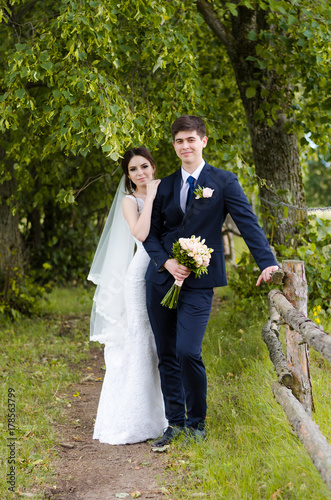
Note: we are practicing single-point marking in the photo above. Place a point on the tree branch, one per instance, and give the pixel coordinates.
(215, 24)
(306, 430)
(270, 335)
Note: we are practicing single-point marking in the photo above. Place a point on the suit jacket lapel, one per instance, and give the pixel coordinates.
(177, 188)
(202, 176)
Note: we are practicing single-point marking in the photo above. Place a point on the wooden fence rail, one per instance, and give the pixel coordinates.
(311, 333)
(293, 389)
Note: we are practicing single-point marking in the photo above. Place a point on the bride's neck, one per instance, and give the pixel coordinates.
(140, 193)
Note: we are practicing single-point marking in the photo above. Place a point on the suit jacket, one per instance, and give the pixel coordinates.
(204, 217)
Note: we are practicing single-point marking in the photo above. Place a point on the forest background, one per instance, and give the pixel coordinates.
(82, 81)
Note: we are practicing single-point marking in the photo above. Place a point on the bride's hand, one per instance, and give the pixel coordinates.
(152, 188)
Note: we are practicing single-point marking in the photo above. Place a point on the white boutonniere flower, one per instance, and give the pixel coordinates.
(203, 192)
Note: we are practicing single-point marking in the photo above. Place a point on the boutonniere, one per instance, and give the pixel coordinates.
(202, 192)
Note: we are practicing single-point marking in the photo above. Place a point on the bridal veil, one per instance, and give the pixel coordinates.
(111, 261)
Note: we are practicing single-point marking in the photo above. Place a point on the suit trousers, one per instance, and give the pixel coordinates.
(178, 336)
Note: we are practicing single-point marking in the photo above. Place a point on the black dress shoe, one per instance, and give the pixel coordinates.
(194, 436)
(169, 435)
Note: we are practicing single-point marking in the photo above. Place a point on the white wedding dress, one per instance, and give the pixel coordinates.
(131, 407)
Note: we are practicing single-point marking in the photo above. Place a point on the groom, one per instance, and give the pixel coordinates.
(177, 213)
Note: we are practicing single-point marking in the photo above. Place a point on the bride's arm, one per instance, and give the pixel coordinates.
(140, 225)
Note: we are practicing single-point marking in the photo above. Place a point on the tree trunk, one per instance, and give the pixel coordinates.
(277, 167)
(11, 254)
(275, 150)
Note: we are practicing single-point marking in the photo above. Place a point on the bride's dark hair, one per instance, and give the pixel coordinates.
(128, 155)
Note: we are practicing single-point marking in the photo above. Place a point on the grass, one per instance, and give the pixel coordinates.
(251, 452)
(38, 361)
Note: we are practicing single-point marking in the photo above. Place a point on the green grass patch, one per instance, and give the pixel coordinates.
(39, 361)
(251, 451)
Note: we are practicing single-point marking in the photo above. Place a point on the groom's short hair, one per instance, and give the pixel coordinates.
(188, 122)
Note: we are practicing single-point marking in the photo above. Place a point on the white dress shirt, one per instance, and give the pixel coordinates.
(185, 185)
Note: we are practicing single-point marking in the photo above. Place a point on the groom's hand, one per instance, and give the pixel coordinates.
(178, 271)
(266, 274)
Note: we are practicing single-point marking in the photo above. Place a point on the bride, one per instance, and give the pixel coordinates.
(131, 407)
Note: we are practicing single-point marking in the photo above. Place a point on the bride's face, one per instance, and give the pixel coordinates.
(141, 172)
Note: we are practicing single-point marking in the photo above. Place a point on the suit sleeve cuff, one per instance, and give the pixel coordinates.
(159, 262)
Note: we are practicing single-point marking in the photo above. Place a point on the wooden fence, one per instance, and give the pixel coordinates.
(293, 389)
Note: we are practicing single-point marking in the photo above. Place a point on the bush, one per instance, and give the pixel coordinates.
(20, 294)
(313, 246)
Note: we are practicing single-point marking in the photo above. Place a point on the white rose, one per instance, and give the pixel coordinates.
(207, 192)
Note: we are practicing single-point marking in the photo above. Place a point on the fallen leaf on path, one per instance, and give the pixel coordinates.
(164, 490)
(136, 494)
(76, 438)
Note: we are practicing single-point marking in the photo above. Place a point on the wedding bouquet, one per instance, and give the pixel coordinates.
(192, 253)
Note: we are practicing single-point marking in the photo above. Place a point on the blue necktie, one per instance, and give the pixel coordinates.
(191, 181)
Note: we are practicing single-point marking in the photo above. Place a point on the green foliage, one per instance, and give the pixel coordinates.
(20, 294)
(80, 75)
(293, 40)
(318, 180)
(242, 281)
(81, 81)
(90, 74)
(59, 236)
(313, 247)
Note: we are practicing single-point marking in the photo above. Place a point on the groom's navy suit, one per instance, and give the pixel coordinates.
(179, 332)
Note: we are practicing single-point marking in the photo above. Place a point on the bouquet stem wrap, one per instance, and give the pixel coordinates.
(195, 255)
(170, 300)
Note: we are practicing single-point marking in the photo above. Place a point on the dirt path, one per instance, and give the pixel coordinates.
(87, 469)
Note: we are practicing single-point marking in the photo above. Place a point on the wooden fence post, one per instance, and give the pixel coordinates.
(295, 290)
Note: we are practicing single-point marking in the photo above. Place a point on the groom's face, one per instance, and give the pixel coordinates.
(189, 147)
